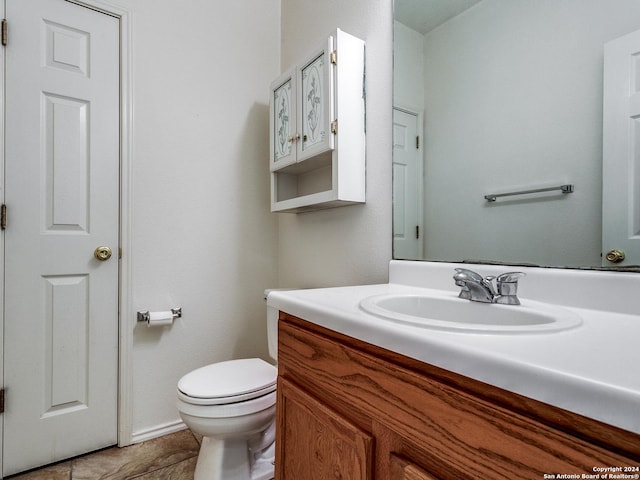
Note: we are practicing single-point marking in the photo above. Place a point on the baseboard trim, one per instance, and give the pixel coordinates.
(158, 431)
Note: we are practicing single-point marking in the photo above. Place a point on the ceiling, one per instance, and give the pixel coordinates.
(425, 15)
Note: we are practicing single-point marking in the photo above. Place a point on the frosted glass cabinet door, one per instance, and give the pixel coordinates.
(283, 121)
(315, 103)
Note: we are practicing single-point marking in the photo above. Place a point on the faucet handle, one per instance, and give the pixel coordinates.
(507, 284)
(510, 277)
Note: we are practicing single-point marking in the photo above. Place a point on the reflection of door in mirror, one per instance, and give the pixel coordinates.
(407, 185)
(512, 96)
(621, 152)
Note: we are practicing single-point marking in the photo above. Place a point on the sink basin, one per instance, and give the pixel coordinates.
(448, 312)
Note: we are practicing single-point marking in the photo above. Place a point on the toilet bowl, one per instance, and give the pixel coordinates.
(232, 405)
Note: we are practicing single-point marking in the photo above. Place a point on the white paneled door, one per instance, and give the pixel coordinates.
(621, 152)
(407, 186)
(61, 192)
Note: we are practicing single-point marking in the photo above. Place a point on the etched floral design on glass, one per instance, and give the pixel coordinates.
(282, 112)
(312, 90)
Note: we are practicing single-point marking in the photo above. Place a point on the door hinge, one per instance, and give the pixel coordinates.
(3, 216)
(4, 32)
(333, 57)
(417, 142)
(2, 400)
(417, 231)
(334, 127)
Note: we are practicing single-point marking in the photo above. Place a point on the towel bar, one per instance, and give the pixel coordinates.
(567, 188)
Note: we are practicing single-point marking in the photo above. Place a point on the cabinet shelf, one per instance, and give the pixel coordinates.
(317, 131)
(294, 183)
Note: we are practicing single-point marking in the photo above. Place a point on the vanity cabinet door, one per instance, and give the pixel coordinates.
(314, 442)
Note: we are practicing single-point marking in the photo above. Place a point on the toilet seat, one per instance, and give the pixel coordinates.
(226, 410)
(234, 386)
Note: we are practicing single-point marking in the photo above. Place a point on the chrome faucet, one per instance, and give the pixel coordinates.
(477, 288)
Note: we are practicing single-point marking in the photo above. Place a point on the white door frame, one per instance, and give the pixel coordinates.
(126, 315)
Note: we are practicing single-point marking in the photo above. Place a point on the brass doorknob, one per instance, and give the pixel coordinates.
(615, 256)
(102, 253)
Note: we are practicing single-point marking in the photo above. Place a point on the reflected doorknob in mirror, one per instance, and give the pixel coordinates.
(615, 256)
(102, 253)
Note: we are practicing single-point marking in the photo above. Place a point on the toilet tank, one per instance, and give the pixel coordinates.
(272, 328)
(272, 332)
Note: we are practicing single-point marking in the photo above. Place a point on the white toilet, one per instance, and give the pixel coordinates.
(232, 405)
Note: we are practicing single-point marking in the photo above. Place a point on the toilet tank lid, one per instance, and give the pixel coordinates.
(229, 379)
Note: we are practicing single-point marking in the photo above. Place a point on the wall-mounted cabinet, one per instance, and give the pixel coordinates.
(317, 129)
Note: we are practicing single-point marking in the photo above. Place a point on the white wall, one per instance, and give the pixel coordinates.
(513, 100)
(408, 68)
(345, 245)
(202, 237)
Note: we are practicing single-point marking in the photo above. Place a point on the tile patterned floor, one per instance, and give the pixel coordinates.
(172, 457)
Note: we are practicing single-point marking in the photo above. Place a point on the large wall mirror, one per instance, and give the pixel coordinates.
(506, 96)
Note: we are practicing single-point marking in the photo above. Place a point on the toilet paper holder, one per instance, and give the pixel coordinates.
(145, 316)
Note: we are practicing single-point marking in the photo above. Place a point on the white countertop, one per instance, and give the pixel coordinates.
(593, 370)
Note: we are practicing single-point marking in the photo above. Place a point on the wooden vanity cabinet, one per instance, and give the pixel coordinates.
(350, 410)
